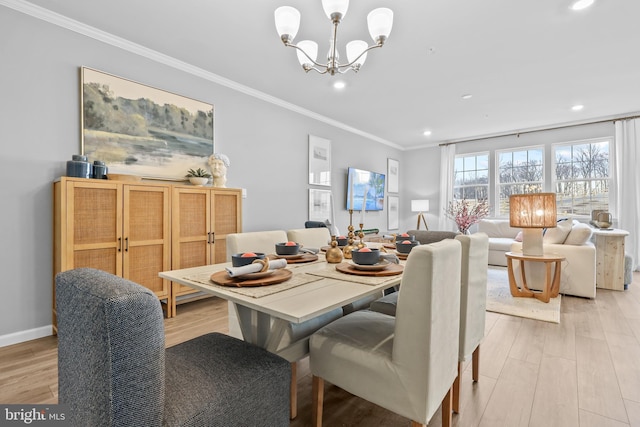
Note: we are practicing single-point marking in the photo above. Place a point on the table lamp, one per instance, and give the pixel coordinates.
(532, 212)
(420, 206)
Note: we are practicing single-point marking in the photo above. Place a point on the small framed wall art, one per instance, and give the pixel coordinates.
(392, 213)
(320, 208)
(319, 161)
(393, 172)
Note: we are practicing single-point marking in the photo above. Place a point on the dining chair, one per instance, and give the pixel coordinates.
(473, 303)
(113, 369)
(265, 241)
(406, 363)
(310, 237)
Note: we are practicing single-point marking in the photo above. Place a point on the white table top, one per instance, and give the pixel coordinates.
(297, 304)
(617, 232)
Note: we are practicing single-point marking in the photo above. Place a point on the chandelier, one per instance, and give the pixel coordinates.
(379, 22)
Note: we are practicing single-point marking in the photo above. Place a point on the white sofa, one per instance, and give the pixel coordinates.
(501, 237)
(570, 239)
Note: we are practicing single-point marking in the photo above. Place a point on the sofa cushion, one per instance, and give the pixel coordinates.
(579, 235)
(497, 228)
(557, 234)
(500, 244)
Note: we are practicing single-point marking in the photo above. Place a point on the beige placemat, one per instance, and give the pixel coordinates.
(331, 273)
(257, 291)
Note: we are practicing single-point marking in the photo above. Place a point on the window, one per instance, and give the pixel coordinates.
(519, 171)
(582, 176)
(471, 179)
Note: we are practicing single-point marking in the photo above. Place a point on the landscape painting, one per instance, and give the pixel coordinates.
(140, 130)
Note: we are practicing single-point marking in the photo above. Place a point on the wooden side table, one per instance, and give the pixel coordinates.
(610, 258)
(551, 284)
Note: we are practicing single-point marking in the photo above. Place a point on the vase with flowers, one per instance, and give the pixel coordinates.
(465, 213)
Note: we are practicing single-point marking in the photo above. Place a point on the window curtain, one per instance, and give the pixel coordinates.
(447, 161)
(627, 179)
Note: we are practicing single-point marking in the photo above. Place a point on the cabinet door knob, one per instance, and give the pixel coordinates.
(119, 244)
(126, 244)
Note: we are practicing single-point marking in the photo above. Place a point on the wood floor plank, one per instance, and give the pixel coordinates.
(497, 345)
(511, 401)
(633, 412)
(625, 354)
(529, 343)
(556, 397)
(589, 419)
(598, 387)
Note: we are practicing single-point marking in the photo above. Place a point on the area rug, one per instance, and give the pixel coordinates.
(499, 299)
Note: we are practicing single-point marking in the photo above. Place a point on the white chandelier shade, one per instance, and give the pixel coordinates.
(357, 51)
(332, 7)
(379, 22)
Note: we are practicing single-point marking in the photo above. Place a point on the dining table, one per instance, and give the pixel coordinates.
(313, 289)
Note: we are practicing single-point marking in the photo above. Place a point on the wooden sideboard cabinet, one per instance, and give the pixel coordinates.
(119, 227)
(201, 219)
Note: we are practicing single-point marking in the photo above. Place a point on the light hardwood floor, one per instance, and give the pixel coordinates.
(583, 372)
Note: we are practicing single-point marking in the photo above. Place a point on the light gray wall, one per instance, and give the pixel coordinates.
(40, 128)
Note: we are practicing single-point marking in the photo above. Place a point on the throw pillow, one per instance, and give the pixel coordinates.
(558, 234)
(579, 235)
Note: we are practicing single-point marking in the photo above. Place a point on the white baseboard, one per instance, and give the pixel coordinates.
(28, 335)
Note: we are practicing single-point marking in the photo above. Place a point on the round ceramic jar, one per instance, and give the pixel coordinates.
(79, 167)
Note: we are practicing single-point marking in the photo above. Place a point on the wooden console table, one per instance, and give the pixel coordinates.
(551, 284)
(610, 258)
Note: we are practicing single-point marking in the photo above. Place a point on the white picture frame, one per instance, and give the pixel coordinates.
(393, 206)
(319, 161)
(320, 208)
(393, 172)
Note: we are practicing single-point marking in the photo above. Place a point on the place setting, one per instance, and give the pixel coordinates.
(252, 269)
(293, 253)
(371, 262)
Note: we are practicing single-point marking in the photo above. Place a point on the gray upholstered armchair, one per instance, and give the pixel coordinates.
(113, 369)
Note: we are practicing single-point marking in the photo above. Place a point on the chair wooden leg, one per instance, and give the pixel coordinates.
(447, 416)
(317, 390)
(293, 397)
(456, 390)
(475, 364)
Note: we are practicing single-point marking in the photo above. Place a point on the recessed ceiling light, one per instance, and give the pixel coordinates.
(577, 107)
(581, 4)
(339, 85)
(467, 96)
(427, 133)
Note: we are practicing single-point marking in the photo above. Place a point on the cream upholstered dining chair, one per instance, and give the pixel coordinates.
(265, 241)
(312, 238)
(407, 363)
(473, 303)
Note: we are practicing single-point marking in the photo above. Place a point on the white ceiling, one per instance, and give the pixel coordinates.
(525, 62)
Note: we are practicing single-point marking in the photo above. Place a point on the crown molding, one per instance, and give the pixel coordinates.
(124, 44)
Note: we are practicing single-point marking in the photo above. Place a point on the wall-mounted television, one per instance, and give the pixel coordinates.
(361, 182)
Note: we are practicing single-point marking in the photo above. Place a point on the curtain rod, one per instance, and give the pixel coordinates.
(444, 144)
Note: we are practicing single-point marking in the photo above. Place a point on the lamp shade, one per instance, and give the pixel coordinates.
(419, 206)
(354, 49)
(287, 21)
(380, 22)
(534, 210)
(335, 6)
(311, 48)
